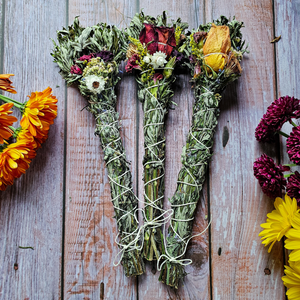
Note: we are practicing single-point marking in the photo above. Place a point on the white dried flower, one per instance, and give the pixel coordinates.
(147, 59)
(158, 59)
(95, 83)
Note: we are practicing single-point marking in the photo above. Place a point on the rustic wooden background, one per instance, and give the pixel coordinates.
(61, 207)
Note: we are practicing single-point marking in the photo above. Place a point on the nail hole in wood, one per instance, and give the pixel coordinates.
(267, 271)
(16, 266)
(225, 136)
(220, 251)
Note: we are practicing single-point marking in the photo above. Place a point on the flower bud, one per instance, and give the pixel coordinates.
(218, 41)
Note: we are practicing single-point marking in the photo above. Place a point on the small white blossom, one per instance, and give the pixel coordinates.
(147, 59)
(95, 83)
(158, 59)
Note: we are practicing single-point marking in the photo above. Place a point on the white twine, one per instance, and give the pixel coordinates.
(167, 256)
(177, 260)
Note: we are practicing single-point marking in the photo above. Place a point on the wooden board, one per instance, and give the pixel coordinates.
(237, 204)
(31, 210)
(62, 206)
(90, 229)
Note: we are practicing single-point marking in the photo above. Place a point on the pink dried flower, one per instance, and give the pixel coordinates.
(293, 186)
(157, 76)
(133, 63)
(270, 176)
(279, 112)
(76, 70)
(85, 57)
(293, 145)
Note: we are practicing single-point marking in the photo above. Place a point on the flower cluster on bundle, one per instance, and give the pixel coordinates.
(81, 62)
(18, 146)
(280, 111)
(96, 74)
(154, 52)
(270, 176)
(212, 52)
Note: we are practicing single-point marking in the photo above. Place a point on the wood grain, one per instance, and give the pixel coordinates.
(287, 17)
(237, 203)
(31, 210)
(196, 284)
(90, 229)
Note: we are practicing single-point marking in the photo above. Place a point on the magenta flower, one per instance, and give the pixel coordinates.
(85, 57)
(279, 112)
(133, 63)
(293, 145)
(293, 186)
(157, 76)
(270, 176)
(76, 70)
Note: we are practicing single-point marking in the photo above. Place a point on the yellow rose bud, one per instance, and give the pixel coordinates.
(218, 41)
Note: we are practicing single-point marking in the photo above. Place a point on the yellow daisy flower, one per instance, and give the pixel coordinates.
(293, 239)
(292, 280)
(278, 221)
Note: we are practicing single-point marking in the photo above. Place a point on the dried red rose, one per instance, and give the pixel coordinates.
(159, 38)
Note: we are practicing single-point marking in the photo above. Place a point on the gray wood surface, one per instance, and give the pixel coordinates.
(62, 206)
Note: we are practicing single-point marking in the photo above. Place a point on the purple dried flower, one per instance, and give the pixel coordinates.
(76, 70)
(279, 112)
(179, 56)
(293, 186)
(105, 55)
(270, 176)
(293, 145)
(265, 132)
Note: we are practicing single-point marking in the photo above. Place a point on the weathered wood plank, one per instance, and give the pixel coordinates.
(90, 229)
(31, 210)
(196, 284)
(237, 203)
(287, 17)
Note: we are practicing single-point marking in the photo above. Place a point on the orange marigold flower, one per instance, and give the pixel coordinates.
(5, 83)
(25, 136)
(39, 111)
(5, 121)
(3, 184)
(14, 161)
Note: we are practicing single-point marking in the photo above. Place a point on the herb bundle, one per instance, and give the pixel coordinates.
(18, 146)
(214, 52)
(91, 57)
(154, 50)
